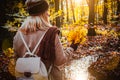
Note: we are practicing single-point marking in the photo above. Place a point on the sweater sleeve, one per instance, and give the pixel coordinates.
(62, 56)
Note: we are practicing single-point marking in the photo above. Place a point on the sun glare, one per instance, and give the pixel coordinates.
(78, 1)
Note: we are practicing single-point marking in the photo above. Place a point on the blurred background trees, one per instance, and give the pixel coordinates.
(62, 13)
(70, 16)
(65, 11)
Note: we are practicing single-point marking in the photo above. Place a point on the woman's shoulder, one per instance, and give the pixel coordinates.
(54, 29)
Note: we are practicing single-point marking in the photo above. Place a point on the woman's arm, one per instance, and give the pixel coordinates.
(62, 56)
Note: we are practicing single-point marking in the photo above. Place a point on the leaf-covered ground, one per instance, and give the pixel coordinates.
(97, 59)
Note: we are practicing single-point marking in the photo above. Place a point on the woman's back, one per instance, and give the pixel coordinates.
(31, 39)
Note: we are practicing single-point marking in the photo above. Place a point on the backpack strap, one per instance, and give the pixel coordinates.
(38, 43)
(50, 68)
(24, 42)
(32, 53)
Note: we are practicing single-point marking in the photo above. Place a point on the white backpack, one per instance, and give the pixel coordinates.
(34, 65)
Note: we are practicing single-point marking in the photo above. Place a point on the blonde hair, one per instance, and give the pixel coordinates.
(33, 23)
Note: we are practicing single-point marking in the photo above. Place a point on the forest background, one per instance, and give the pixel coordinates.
(63, 13)
(73, 18)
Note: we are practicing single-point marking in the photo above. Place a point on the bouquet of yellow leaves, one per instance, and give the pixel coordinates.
(77, 35)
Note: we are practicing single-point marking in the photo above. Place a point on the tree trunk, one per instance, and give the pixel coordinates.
(118, 7)
(62, 16)
(67, 11)
(72, 11)
(113, 8)
(105, 12)
(96, 12)
(91, 4)
(56, 10)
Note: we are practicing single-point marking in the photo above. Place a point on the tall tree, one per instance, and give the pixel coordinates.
(105, 12)
(113, 6)
(62, 16)
(72, 8)
(91, 4)
(67, 11)
(56, 10)
(118, 6)
(97, 11)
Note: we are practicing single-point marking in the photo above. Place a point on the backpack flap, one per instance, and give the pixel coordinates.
(30, 64)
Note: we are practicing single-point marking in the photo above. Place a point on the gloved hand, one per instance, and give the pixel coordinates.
(74, 46)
